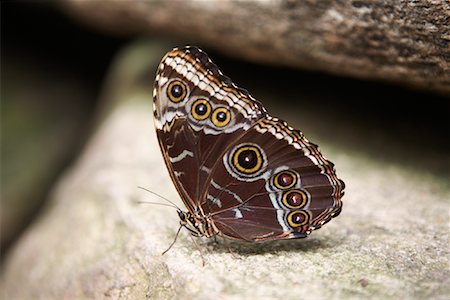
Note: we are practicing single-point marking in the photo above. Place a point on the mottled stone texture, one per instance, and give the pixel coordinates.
(94, 241)
(401, 41)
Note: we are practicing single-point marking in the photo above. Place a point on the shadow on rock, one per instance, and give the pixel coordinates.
(310, 244)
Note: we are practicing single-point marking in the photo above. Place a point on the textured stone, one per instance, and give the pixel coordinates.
(401, 41)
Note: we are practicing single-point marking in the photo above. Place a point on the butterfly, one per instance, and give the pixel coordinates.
(241, 173)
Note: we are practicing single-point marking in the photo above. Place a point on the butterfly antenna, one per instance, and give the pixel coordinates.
(158, 195)
(174, 240)
(155, 203)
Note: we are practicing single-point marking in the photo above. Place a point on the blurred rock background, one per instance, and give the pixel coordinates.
(52, 70)
(376, 110)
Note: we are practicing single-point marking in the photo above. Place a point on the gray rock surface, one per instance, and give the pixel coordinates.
(94, 241)
(402, 41)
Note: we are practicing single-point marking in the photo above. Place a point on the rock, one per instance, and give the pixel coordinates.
(95, 241)
(40, 135)
(406, 42)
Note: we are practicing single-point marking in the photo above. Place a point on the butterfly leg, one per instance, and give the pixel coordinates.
(174, 240)
(233, 253)
(199, 249)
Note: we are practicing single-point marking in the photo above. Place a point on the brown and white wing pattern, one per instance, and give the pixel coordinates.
(242, 173)
(272, 183)
(197, 112)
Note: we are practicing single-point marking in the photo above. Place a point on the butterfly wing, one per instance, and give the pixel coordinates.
(272, 183)
(253, 176)
(198, 112)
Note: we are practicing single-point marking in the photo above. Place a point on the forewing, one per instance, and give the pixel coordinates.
(191, 99)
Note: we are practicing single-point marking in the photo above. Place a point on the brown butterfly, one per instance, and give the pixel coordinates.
(241, 173)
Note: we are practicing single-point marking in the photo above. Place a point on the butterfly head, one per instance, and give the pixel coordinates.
(197, 226)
